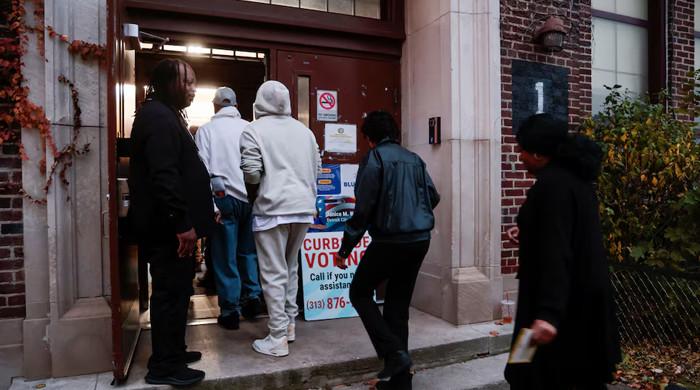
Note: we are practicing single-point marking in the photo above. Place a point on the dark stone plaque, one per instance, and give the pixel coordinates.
(539, 88)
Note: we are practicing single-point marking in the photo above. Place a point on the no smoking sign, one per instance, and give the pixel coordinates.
(327, 101)
(327, 106)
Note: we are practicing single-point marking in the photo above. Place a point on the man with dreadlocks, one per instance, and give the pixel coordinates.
(170, 208)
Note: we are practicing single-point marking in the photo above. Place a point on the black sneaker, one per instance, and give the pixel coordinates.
(251, 308)
(230, 322)
(394, 363)
(192, 356)
(183, 377)
(401, 381)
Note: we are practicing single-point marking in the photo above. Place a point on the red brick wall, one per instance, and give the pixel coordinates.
(11, 239)
(11, 249)
(681, 45)
(519, 19)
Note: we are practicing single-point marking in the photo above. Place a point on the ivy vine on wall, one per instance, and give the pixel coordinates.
(23, 113)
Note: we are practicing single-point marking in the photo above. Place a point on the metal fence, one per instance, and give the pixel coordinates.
(656, 306)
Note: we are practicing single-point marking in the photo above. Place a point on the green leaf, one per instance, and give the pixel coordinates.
(646, 206)
(637, 252)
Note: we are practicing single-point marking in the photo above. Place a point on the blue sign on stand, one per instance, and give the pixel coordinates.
(326, 287)
(328, 181)
(332, 213)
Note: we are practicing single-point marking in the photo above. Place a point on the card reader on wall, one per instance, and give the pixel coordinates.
(434, 136)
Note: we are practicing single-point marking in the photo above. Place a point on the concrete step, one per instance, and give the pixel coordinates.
(477, 374)
(326, 354)
(483, 374)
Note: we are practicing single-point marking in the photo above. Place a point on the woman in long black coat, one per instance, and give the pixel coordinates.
(565, 294)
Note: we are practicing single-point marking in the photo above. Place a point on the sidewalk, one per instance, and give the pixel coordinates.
(478, 374)
(326, 353)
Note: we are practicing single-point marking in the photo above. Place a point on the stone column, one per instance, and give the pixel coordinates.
(451, 69)
(68, 326)
(37, 357)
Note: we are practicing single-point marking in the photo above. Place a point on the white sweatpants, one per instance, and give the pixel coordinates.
(278, 251)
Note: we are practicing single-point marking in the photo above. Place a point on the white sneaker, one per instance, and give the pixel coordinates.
(291, 333)
(272, 346)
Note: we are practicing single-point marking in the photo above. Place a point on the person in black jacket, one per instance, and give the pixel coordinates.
(395, 198)
(170, 208)
(565, 295)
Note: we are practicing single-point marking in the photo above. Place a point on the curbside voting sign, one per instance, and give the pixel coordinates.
(326, 287)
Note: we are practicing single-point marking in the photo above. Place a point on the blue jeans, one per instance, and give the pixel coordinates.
(233, 255)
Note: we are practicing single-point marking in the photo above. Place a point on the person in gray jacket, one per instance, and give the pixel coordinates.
(280, 161)
(235, 263)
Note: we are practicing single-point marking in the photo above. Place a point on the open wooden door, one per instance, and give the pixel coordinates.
(124, 298)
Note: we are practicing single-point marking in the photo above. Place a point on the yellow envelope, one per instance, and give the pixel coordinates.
(522, 351)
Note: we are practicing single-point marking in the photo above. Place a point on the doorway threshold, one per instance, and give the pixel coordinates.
(325, 354)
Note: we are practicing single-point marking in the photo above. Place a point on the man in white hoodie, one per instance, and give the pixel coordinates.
(280, 162)
(232, 245)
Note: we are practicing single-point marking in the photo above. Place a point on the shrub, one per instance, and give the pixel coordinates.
(648, 188)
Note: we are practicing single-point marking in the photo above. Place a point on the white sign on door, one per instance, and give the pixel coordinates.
(327, 106)
(340, 138)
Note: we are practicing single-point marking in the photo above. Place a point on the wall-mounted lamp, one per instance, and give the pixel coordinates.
(132, 38)
(551, 34)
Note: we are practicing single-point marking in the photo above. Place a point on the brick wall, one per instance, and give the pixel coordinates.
(11, 249)
(681, 45)
(519, 19)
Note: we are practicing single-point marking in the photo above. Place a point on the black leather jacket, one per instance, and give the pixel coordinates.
(394, 198)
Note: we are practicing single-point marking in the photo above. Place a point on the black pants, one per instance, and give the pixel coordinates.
(398, 264)
(170, 298)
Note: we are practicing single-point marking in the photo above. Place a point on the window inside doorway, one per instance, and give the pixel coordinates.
(199, 51)
(201, 110)
(363, 8)
(242, 69)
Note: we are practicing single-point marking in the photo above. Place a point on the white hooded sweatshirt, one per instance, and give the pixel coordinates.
(281, 154)
(219, 147)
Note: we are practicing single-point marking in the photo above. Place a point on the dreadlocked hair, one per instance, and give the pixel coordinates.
(165, 84)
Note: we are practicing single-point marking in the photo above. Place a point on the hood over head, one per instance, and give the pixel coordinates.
(548, 136)
(581, 155)
(272, 99)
